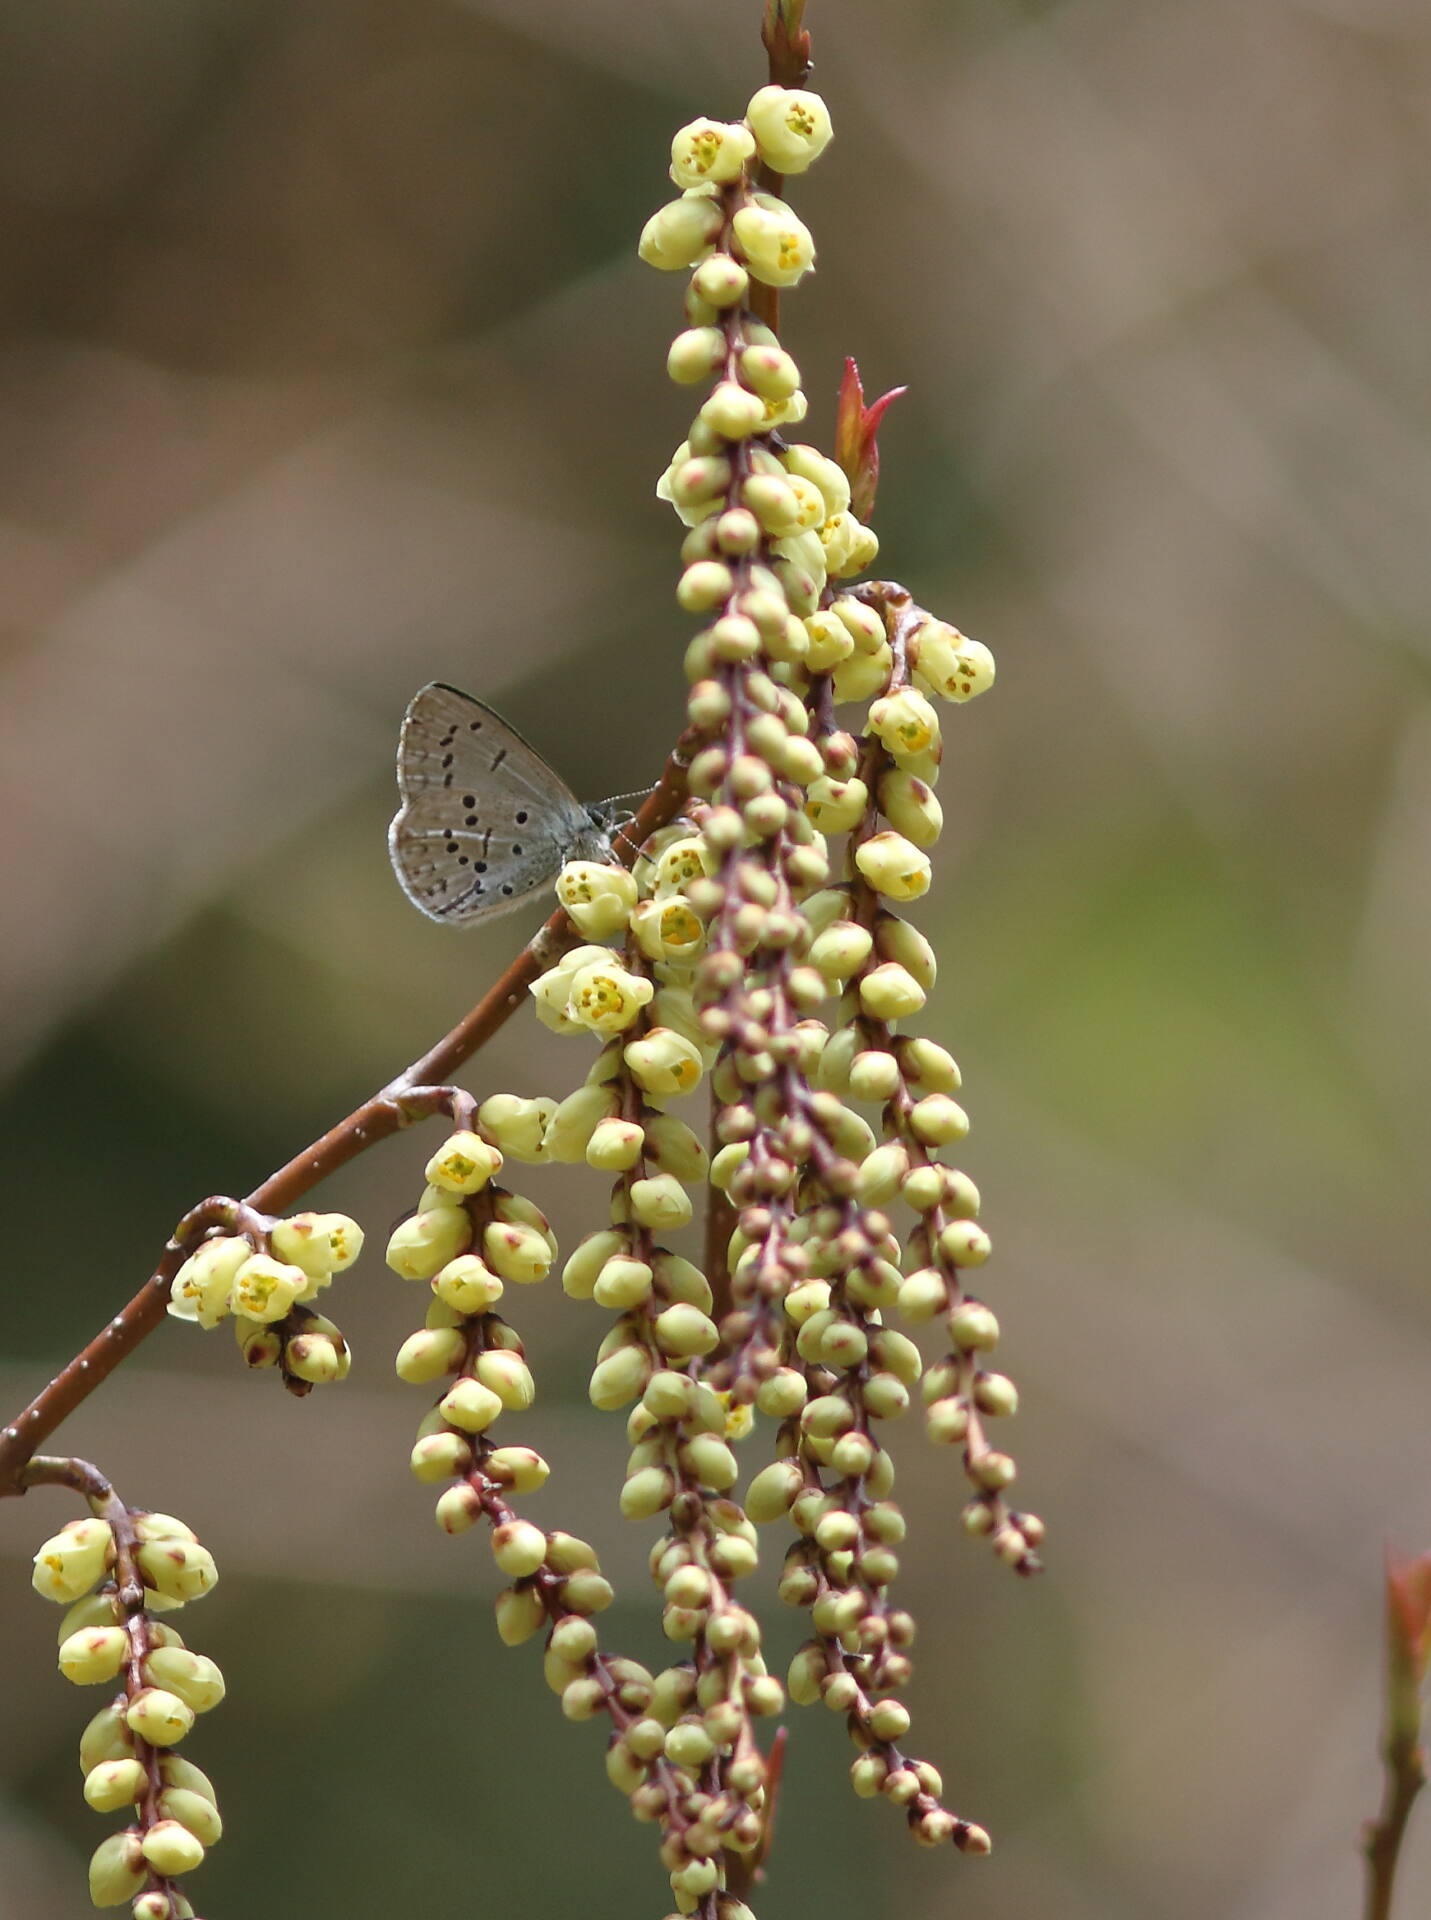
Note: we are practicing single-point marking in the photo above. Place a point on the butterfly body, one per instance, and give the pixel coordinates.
(484, 822)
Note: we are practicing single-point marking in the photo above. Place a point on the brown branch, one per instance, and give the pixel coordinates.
(1408, 1647)
(385, 1113)
(788, 46)
(1405, 1777)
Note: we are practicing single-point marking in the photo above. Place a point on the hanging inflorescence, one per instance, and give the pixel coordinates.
(755, 949)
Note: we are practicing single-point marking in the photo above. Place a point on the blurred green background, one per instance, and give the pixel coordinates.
(328, 368)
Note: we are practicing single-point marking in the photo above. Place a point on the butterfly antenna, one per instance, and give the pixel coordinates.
(616, 815)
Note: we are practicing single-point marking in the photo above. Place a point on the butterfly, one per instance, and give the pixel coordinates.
(484, 821)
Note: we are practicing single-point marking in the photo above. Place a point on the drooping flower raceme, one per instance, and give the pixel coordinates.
(756, 1024)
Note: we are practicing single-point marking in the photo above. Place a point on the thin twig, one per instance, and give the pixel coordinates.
(788, 47)
(1405, 1777)
(1408, 1645)
(385, 1113)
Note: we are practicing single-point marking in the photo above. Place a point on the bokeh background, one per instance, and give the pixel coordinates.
(328, 368)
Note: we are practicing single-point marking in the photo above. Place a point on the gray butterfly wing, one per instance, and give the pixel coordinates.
(484, 822)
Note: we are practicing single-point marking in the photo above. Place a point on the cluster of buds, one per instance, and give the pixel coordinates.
(690, 1762)
(264, 1278)
(817, 1260)
(115, 1571)
(757, 950)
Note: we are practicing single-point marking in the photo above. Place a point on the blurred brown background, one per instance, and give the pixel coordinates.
(328, 369)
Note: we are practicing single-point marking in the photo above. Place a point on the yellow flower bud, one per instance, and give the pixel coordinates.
(893, 866)
(803, 462)
(618, 1379)
(106, 1738)
(663, 1062)
(996, 1394)
(791, 127)
(117, 1869)
(264, 1289)
(679, 1279)
(162, 1526)
(930, 1067)
(800, 570)
(623, 1283)
(69, 1563)
(838, 536)
(520, 1614)
(170, 1848)
(94, 1610)
(660, 1203)
(945, 662)
(518, 1253)
(684, 1331)
(428, 1354)
(695, 354)
(891, 992)
(872, 1074)
(679, 863)
(733, 411)
(576, 1119)
(836, 806)
(829, 640)
(114, 1784)
(615, 1146)
(420, 1247)
(201, 1286)
(648, 1491)
(463, 1164)
(580, 1274)
(470, 1405)
(721, 281)
(710, 150)
(194, 1811)
(508, 1376)
(923, 1295)
(965, 1243)
(176, 1771)
(780, 1396)
(770, 372)
(441, 1456)
(675, 1148)
(519, 1548)
(605, 998)
(319, 1243)
(178, 1569)
(773, 503)
(159, 1716)
(517, 1124)
(192, 1676)
(93, 1655)
(905, 723)
(800, 759)
(703, 585)
(864, 551)
(669, 929)
(910, 806)
(520, 1468)
(696, 487)
(467, 1285)
(863, 674)
(864, 626)
(680, 233)
(778, 247)
(973, 1327)
(938, 1121)
(841, 949)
